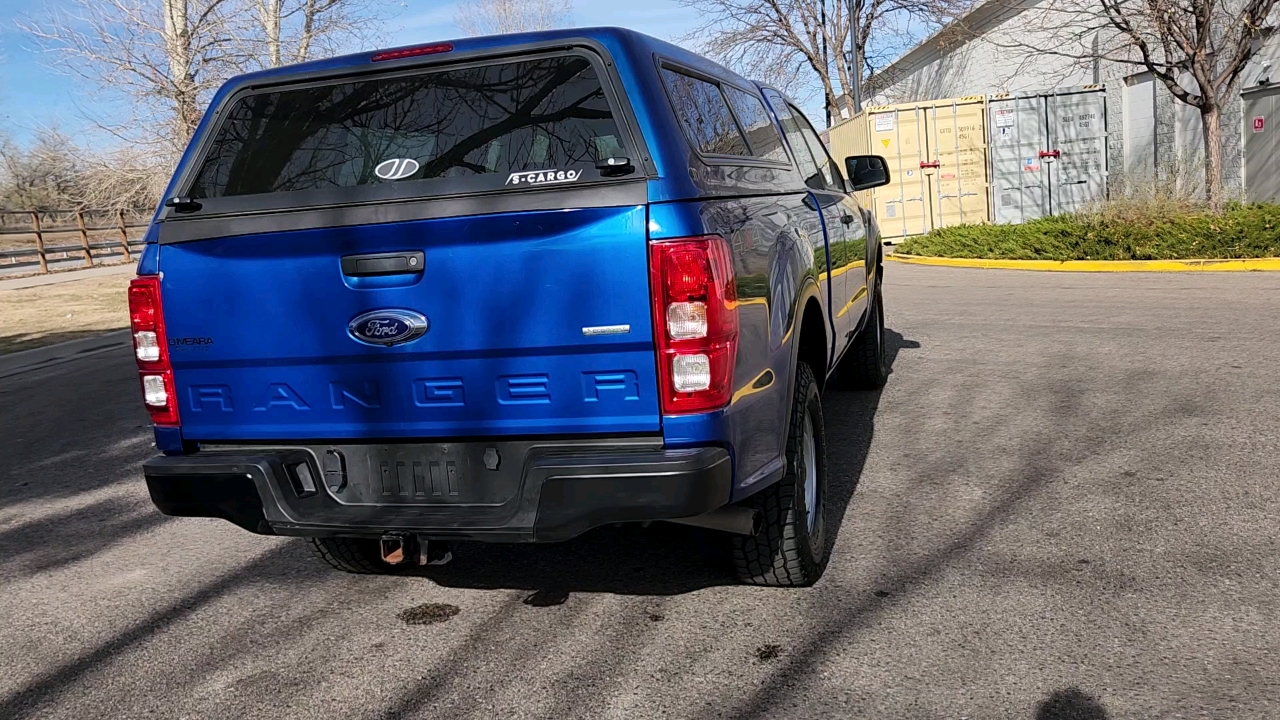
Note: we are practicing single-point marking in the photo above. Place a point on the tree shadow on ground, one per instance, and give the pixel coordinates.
(17, 342)
(662, 559)
(1070, 704)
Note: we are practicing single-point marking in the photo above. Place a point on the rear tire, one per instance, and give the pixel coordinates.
(791, 548)
(864, 365)
(361, 556)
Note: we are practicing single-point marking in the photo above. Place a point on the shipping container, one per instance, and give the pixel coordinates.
(1048, 152)
(937, 155)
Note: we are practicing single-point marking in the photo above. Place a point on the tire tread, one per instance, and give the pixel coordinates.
(777, 556)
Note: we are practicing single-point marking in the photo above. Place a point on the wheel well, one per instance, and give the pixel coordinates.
(813, 341)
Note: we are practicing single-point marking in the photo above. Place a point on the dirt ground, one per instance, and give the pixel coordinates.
(48, 314)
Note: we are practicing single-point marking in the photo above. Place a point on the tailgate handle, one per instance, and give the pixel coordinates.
(392, 263)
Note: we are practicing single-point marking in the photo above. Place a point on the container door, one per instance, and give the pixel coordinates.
(1078, 136)
(1261, 145)
(901, 206)
(957, 136)
(1018, 133)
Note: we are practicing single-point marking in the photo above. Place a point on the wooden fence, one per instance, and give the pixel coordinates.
(39, 237)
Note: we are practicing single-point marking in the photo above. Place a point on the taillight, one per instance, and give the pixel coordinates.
(695, 315)
(146, 318)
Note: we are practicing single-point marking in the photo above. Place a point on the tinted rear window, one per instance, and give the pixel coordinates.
(705, 115)
(492, 120)
(762, 133)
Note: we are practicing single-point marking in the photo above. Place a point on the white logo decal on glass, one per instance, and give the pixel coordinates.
(396, 169)
(543, 177)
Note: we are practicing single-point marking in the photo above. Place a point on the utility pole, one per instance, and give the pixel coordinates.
(826, 63)
(855, 62)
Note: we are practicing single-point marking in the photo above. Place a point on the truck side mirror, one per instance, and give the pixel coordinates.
(867, 171)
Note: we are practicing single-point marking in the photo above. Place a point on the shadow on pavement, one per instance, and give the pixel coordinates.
(72, 429)
(17, 342)
(662, 559)
(48, 687)
(1070, 704)
(59, 539)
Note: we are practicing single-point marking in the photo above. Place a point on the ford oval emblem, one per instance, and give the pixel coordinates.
(388, 327)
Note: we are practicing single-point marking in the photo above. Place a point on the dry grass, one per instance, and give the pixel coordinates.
(48, 314)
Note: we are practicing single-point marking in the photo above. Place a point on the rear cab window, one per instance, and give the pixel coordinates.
(474, 127)
(704, 114)
(762, 133)
(721, 120)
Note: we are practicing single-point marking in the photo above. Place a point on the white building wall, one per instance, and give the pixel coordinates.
(1139, 127)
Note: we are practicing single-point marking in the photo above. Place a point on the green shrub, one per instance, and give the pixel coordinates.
(1117, 231)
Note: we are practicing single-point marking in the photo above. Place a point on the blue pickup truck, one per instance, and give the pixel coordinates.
(506, 289)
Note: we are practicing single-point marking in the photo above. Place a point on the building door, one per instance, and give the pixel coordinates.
(1261, 145)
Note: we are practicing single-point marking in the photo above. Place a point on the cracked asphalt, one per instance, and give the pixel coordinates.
(1064, 505)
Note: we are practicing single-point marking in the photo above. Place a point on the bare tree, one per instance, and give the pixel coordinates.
(52, 172)
(164, 58)
(495, 17)
(293, 31)
(792, 43)
(1212, 40)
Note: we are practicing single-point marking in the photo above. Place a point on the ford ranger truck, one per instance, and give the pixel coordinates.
(506, 289)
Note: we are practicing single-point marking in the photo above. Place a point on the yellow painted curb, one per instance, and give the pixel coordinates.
(1095, 265)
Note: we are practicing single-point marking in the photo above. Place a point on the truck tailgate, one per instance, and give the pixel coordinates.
(539, 323)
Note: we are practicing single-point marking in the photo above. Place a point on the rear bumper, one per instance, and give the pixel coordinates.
(516, 491)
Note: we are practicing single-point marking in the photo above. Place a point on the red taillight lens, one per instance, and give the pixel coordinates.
(412, 52)
(146, 318)
(695, 314)
(142, 305)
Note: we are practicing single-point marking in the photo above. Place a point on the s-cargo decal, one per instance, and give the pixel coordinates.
(543, 177)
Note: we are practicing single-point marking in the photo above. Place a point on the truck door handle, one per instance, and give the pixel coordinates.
(390, 263)
(846, 219)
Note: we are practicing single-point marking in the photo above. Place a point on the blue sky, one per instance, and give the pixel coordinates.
(32, 95)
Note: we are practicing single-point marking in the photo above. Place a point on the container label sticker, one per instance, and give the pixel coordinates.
(1004, 131)
(885, 143)
(948, 176)
(1031, 165)
(891, 210)
(1259, 123)
(1004, 118)
(884, 122)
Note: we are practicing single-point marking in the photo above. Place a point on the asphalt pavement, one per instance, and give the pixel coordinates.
(1065, 504)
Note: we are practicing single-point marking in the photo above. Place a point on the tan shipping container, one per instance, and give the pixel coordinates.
(937, 156)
